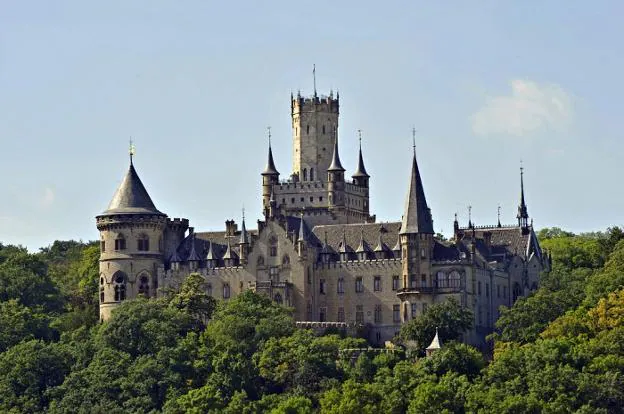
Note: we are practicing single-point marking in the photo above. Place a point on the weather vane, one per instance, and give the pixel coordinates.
(269, 132)
(131, 150)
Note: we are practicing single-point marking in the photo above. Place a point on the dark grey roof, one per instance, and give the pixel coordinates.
(416, 216)
(193, 256)
(336, 165)
(131, 197)
(353, 234)
(270, 167)
(361, 170)
(505, 242)
(244, 235)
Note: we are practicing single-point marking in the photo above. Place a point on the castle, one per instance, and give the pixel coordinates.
(318, 249)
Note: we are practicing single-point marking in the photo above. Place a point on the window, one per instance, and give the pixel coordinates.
(377, 284)
(311, 174)
(322, 286)
(311, 199)
(305, 174)
(307, 129)
(102, 246)
(396, 313)
(292, 200)
(424, 308)
(273, 246)
(340, 286)
(226, 291)
(278, 299)
(454, 279)
(341, 315)
(302, 199)
(120, 242)
(323, 129)
(413, 282)
(309, 310)
(209, 289)
(359, 314)
(395, 283)
(119, 281)
(101, 294)
(274, 274)
(422, 253)
(143, 243)
(322, 313)
(487, 290)
(359, 286)
(144, 286)
(479, 287)
(423, 280)
(414, 309)
(321, 198)
(377, 313)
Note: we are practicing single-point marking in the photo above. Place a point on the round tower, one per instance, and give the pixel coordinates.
(131, 244)
(335, 178)
(270, 177)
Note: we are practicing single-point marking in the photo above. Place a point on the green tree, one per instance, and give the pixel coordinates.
(193, 299)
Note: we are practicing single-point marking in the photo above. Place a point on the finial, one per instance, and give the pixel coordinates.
(314, 76)
(269, 134)
(131, 150)
(414, 140)
(469, 216)
(455, 216)
(360, 137)
(499, 211)
(243, 212)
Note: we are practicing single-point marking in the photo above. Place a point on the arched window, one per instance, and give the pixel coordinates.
(260, 261)
(454, 279)
(142, 243)
(441, 279)
(101, 290)
(305, 174)
(209, 289)
(311, 174)
(285, 260)
(119, 283)
(226, 291)
(273, 246)
(144, 286)
(120, 242)
(278, 299)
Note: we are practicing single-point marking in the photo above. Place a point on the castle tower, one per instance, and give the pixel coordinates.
(416, 236)
(335, 180)
(314, 121)
(131, 242)
(270, 177)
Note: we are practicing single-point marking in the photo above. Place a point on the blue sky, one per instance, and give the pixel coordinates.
(196, 83)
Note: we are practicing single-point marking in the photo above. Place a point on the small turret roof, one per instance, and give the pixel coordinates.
(131, 197)
(230, 253)
(244, 236)
(193, 256)
(210, 254)
(361, 170)
(302, 233)
(336, 165)
(363, 247)
(270, 167)
(435, 343)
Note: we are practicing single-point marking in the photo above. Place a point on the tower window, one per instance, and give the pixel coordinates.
(305, 174)
(120, 287)
(308, 129)
(120, 242)
(311, 174)
(340, 286)
(322, 286)
(102, 246)
(209, 289)
(395, 283)
(377, 284)
(102, 294)
(323, 129)
(278, 299)
(144, 286)
(359, 285)
(143, 243)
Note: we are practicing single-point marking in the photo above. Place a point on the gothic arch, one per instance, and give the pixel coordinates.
(119, 281)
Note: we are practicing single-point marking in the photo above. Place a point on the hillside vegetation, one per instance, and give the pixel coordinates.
(559, 350)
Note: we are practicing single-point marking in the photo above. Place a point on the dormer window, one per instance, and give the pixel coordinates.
(120, 242)
(143, 243)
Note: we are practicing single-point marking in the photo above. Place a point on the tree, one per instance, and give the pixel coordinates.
(449, 317)
(193, 299)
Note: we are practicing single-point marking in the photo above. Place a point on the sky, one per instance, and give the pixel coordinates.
(487, 84)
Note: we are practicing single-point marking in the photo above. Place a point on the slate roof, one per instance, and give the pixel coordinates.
(270, 167)
(505, 242)
(336, 165)
(361, 170)
(416, 216)
(131, 197)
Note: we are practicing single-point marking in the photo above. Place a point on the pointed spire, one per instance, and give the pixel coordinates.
(362, 247)
(335, 165)
(417, 216)
(434, 345)
(244, 236)
(469, 216)
(210, 254)
(270, 167)
(361, 170)
(397, 246)
(229, 252)
(343, 244)
(175, 257)
(499, 211)
(193, 256)
(131, 196)
(523, 214)
(302, 235)
(381, 246)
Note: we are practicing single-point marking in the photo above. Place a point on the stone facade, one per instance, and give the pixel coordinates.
(318, 249)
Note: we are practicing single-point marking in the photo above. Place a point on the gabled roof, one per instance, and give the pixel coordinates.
(131, 197)
(416, 216)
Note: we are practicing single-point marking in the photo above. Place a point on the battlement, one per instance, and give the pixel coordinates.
(321, 103)
(178, 221)
(492, 226)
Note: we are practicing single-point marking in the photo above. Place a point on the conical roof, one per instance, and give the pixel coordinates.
(270, 167)
(336, 165)
(244, 236)
(230, 253)
(363, 246)
(131, 197)
(361, 170)
(417, 216)
(193, 256)
(435, 343)
(302, 234)
(210, 255)
(381, 246)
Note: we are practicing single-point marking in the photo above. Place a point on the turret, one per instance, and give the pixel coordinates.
(335, 178)
(301, 238)
(270, 177)
(360, 176)
(416, 236)
(523, 215)
(131, 241)
(243, 243)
